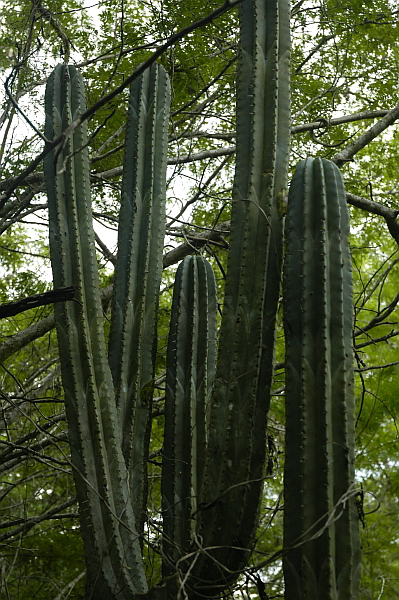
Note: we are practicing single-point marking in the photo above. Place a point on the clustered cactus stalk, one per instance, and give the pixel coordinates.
(108, 402)
(217, 399)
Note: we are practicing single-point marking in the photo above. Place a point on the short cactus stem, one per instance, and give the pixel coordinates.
(190, 372)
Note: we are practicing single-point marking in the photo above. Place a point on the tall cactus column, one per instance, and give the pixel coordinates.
(132, 340)
(320, 524)
(236, 440)
(102, 423)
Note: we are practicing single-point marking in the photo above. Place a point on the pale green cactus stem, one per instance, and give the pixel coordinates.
(112, 544)
(321, 536)
(191, 359)
(235, 458)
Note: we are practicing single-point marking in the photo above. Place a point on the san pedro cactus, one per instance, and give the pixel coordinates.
(236, 444)
(201, 501)
(320, 530)
(191, 361)
(132, 348)
(215, 410)
(106, 408)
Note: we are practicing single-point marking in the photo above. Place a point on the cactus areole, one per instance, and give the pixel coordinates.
(217, 399)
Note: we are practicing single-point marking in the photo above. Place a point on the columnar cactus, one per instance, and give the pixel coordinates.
(320, 530)
(227, 489)
(132, 340)
(236, 444)
(215, 411)
(107, 406)
(191, 362)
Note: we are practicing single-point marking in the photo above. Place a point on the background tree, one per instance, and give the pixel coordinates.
(345, 103)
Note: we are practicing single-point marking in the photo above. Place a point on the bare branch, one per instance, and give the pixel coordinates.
(56, 25)
(21, 339)
(201, 189)
(363, 369)
(324, 40)
(227, 5)
(374, 341)
(380, 317)
(322, 123)
(195, 242)
(14, 308)
(105, 250)
(65, 592)
(375, 208)
(31, 522)
(368, 136)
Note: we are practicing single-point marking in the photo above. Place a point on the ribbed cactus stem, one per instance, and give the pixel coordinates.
(190, 372)
(235, 456)
(138, 271)
(320, 529)
(107, 521)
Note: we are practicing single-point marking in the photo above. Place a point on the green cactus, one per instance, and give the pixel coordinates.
(102, 421)
(320, 529)
(235, 428)
(191, 360)
(215, 411)
(131, 348)
(237, 423)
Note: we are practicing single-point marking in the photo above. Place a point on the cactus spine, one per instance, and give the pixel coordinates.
(94, 412)
(319, 455)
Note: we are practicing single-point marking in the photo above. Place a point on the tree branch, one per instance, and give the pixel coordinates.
(195, 242)
(21, 339)
(370, 206)
(349, 152)
(31, 522)
(10, 309)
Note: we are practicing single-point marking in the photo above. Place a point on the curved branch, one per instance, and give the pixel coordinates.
(21, 339)
(370, 206)
(10, 309)
(197, 241)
